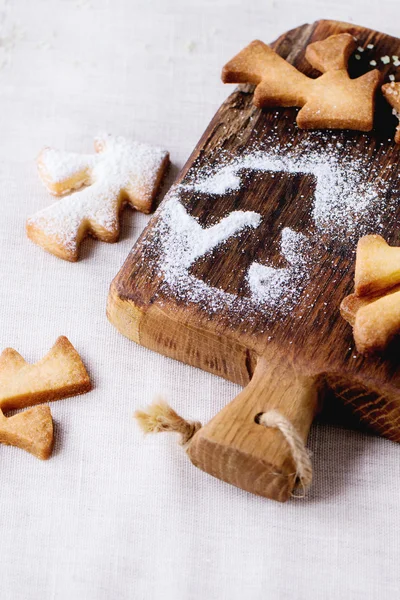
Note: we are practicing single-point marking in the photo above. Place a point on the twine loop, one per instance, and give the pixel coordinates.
(161, 417)
(301, 456)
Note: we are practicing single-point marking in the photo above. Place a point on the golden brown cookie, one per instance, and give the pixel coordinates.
(333, 100)
(374, 309)
(377, 323)
(30, 430)
(122, 172)
(377, 266)
(59, 374)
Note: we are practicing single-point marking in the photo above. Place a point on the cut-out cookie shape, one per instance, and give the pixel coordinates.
(374, 309)
(59, 374)
(333, 100)
(376, 321)
(377, 265)
(30, 430)
(391, 91)
(121, 172)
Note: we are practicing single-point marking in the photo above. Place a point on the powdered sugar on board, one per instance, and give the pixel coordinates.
(182, 241)
(281, 286)
(121, 170)
(191, 241)
(344, 204)
(344, 207)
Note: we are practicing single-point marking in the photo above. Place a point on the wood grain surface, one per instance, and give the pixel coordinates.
(312, 340)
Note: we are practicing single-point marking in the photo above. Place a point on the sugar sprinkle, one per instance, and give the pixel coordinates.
(344, 207)
(119, 163)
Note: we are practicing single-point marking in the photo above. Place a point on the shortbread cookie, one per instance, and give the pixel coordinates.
(374, 309)
(391, 91)
(30, 430)
(351, 304)
(333, 100)
(377, 323)
(377, 266)
(121, 172)
(62, 172)
(59, 374)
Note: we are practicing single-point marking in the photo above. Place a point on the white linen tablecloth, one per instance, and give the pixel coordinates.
(114, 515)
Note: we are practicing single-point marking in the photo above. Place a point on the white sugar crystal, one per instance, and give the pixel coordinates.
(360, 49)
(192, 240)
(183, 240)
(59, 165)
(226, 179)
(385, 59)
(370, 46)
(391, 77)
(332, 174)
(372, 63)
(120, 164)
(344, 207)
(270, 285)
(357, 56)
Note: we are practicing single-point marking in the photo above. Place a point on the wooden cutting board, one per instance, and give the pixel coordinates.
(257, 301)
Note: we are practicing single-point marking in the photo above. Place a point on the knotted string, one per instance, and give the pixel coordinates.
(161, 417)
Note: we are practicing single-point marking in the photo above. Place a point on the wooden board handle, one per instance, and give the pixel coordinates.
(236, 448)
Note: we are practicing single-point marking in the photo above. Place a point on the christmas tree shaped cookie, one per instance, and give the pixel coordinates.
(122, 172)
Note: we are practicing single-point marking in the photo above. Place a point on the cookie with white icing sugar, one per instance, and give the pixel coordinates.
(121, 172)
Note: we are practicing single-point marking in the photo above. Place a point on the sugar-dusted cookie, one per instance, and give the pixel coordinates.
(59, 374)
(374, 309)
(121, 172)
(391, 91)
(333, 100)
